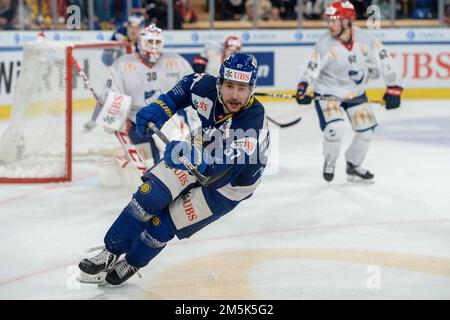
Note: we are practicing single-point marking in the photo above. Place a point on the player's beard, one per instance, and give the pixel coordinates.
(233, 105)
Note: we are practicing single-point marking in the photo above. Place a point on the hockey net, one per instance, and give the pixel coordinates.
(44, 133)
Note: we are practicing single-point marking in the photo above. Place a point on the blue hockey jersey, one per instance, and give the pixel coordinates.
(238, 141)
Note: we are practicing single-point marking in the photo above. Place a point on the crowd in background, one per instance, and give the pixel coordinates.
(109, 14)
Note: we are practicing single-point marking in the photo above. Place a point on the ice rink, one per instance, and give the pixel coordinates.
(296, 238)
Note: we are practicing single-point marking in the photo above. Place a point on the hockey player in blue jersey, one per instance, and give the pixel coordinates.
(129, 32)
(171, 202)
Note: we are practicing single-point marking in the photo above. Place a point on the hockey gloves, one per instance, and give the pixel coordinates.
(193, 153)
(110, 55)
(392, 97)
(157, 112)
(301, 96)
(199, 64)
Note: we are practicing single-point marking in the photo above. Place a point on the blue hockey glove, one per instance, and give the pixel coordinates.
(193, 153)
(392, 97)
(109, 55)
(157, 112)
(301, 96)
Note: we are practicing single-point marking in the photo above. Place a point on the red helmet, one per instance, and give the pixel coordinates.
(233, 41)
(341, 10)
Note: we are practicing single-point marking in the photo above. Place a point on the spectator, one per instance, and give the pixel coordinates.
(423, 9)
(447, 12)
(263, 10)
(360, 8)
(104, 10)
(384, 8)
(122, 12)
(157, 14)
(185, 10)
(233, 9)
(286, 9)
(315, 8)
(7, 14)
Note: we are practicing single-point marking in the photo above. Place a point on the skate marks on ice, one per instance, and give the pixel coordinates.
(251, 274)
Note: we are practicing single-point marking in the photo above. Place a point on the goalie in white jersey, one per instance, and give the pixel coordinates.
(144, 76)
(338, 69)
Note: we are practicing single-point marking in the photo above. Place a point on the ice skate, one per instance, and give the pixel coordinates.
(358, 174)
(121, 273)
(328, 170)
(103, 262)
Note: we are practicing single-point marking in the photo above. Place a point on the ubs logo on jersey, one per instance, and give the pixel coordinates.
(357, 76)
(202, 104)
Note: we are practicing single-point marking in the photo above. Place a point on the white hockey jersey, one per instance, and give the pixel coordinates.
(341, 71)
(133, 76)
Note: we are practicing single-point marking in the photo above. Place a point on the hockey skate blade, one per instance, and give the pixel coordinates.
(84, 277)
(356, 179)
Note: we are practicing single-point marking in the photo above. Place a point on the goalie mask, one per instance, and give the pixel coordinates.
(151, 44)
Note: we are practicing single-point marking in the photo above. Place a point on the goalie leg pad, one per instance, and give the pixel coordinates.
(146, 146)
(109, 172)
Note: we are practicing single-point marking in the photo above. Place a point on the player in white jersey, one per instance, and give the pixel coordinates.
(213, 55)
(143, 76)
(338, 69)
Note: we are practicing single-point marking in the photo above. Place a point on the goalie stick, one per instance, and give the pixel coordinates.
(122, 136)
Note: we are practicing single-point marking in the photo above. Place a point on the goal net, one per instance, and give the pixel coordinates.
(44, 133)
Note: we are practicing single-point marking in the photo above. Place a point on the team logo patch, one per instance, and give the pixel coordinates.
(357, 76)
(237, 75)
(156, 221)
(145, 188)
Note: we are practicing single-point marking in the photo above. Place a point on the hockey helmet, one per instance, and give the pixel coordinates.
(233, 42)
(151, 43)
(135, 20)
(239, 67)
(341, 10)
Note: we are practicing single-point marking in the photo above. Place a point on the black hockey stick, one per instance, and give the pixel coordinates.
(284, 125)
(203, 180)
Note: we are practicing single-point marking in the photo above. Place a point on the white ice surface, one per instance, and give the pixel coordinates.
(296, 238)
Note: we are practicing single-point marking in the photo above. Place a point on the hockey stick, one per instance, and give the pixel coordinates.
(122, 136)
(284, 125)
(320, 98)
(203, 180)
